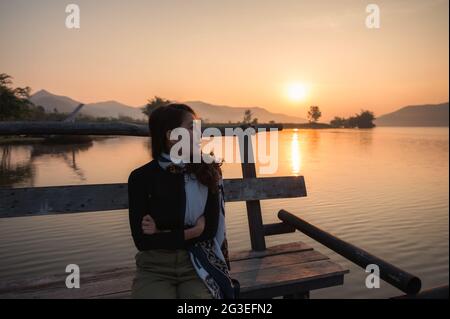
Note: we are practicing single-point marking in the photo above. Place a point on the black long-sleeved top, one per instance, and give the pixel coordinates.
(153, 190)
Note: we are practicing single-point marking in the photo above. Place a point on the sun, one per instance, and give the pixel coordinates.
(297, 92)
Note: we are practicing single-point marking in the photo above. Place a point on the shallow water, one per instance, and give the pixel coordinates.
(385, 190)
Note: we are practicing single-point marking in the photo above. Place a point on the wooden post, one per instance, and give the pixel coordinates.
(255, 222)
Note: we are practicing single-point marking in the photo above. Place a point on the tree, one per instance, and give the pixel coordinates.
(365, 119)
(248, 115)
(14, 102)
(337, 122)
(351, 122)
(154, 104)
(314, 114)
(362, 120)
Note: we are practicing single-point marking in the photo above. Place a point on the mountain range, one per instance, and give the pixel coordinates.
(417, 115)
(209, 112)
(64, 104)
(413, 115)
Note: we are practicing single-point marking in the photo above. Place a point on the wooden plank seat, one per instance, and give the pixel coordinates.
(285, 270)
(281, 270)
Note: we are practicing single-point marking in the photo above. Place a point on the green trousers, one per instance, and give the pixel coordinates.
(167, 274)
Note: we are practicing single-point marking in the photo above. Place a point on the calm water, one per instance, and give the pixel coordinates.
(385, 190)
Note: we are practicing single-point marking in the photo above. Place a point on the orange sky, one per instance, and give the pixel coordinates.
(238, 53)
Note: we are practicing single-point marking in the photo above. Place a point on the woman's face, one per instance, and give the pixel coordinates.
(194, 134)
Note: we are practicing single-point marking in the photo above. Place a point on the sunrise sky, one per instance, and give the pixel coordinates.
(283, 55)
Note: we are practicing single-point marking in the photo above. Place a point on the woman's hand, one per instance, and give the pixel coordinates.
(148, 225)
(200, 225)
(196, 230)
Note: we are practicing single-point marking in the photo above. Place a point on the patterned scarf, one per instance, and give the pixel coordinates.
(209, 257)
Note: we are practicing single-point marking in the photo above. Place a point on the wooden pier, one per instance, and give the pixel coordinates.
(291, 270)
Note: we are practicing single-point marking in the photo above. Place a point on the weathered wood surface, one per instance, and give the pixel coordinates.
(283, 269)
(277, 260)
(112, 128)
(254, 215)
(277, 229)
(17, 202)
(289, 279)
(270, 251)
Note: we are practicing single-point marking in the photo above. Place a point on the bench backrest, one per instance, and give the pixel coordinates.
(31, 201)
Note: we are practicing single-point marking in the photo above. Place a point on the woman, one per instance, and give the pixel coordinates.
(177, 218)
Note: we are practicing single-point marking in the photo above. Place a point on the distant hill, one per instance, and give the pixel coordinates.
(50, 102)
(417, 115)
(63, 104)
(112, 109)
(223, 114)
(208, 112)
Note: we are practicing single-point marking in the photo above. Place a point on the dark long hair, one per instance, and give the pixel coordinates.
(166, 118)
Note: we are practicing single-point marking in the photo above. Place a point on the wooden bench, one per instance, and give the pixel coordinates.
(290, 270)
(285, 270)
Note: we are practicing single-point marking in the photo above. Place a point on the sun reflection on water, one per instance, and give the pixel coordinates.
(296, 158)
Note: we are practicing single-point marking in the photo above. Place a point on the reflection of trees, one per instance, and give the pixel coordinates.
(365, 137)
(67, 152)
(12, 174)
(15, 173)
(362, 137)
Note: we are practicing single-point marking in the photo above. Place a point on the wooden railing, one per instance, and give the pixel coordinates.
(107, 128)
(70, 199)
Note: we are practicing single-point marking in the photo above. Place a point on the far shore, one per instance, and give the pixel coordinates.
(284, 125)
(307, 125)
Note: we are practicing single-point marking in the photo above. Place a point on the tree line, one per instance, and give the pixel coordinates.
(14, 102)
(364, 119)
(15, 105)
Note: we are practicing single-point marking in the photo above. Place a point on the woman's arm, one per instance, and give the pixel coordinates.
(211, 219)
(149, 227)
(196, 230)
(138, 208)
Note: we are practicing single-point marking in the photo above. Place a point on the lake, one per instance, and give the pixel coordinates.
(384, 190)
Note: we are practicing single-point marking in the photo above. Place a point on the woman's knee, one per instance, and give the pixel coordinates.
(193, 289)
(147, 287)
